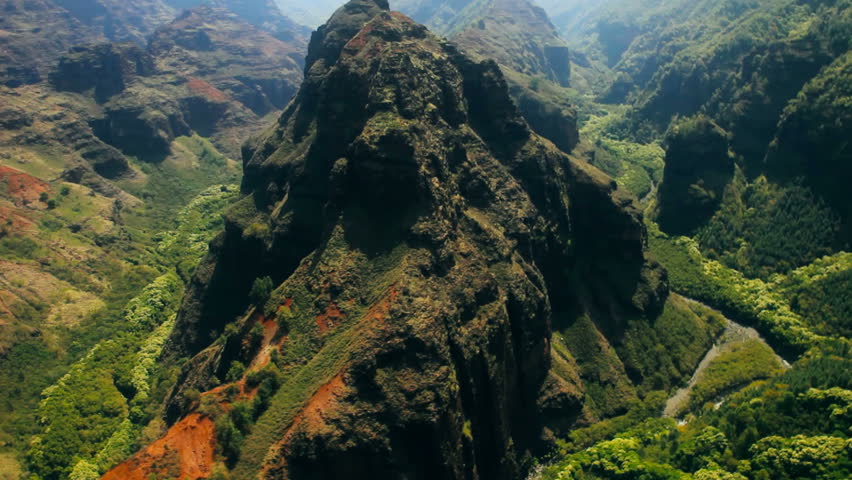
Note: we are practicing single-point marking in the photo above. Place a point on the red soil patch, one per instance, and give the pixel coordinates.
(14, 220)
(311, 415)
(186, 448)
(320, 402)
(330, 319)
(201, 87)
(288, 303)
(21, 187)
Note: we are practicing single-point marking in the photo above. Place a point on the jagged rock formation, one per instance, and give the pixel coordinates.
(422, 242)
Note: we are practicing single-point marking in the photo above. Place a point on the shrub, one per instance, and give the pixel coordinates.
(236, 372)
(261, 290)
(229, 440)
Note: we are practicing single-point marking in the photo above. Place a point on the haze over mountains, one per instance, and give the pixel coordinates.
(468, 239)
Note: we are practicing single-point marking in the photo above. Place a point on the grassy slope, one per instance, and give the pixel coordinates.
(97, 267)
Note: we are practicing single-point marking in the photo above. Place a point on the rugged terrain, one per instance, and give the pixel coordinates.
(519, 36)
(496, 255)
(104, 152)
(368, 339)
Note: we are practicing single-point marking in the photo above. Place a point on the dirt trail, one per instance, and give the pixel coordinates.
(734, 333)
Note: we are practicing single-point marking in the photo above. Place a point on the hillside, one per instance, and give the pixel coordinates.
(35, 33)
(747, 68)
(107, 152)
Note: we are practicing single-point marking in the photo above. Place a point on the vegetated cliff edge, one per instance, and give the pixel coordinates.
(421, 245)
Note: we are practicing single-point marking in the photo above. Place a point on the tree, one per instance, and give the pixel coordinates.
(261, 290)
(236, 371)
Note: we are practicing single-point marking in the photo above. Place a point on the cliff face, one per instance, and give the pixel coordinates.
(419, 239)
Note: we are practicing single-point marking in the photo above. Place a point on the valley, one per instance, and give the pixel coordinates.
(425, 239)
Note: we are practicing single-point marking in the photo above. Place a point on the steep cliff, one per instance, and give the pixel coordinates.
(383, 299)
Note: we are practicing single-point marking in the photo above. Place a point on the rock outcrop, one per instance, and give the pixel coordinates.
(106, 68)
(698, 168)
(207, 72)
(420, 239)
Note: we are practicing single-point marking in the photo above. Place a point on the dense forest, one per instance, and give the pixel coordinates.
(425, 239)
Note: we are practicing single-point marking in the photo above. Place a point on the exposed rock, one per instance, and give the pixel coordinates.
(519, 36)
(12, 118)
(36, 33)
(119, 20)
(521, 39)
(142, 128)
(107, 68)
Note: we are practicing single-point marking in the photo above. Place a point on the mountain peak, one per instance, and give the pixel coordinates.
(329, 39)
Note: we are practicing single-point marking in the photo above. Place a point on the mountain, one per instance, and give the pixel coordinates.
(253, 67)
(413, 284)
(520, 38)
(263, 14)
(206, 72)
(35, 33)
(745, 67)
(517, 35)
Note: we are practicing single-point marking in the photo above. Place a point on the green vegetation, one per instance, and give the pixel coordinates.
(309, 361)
(793, 427)
(819, 293)
(83, 415)
(638, 168)
(751, 301)
(734, 368)
(761, 228)
(91, 418)
(261, 290)
(665, 351)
